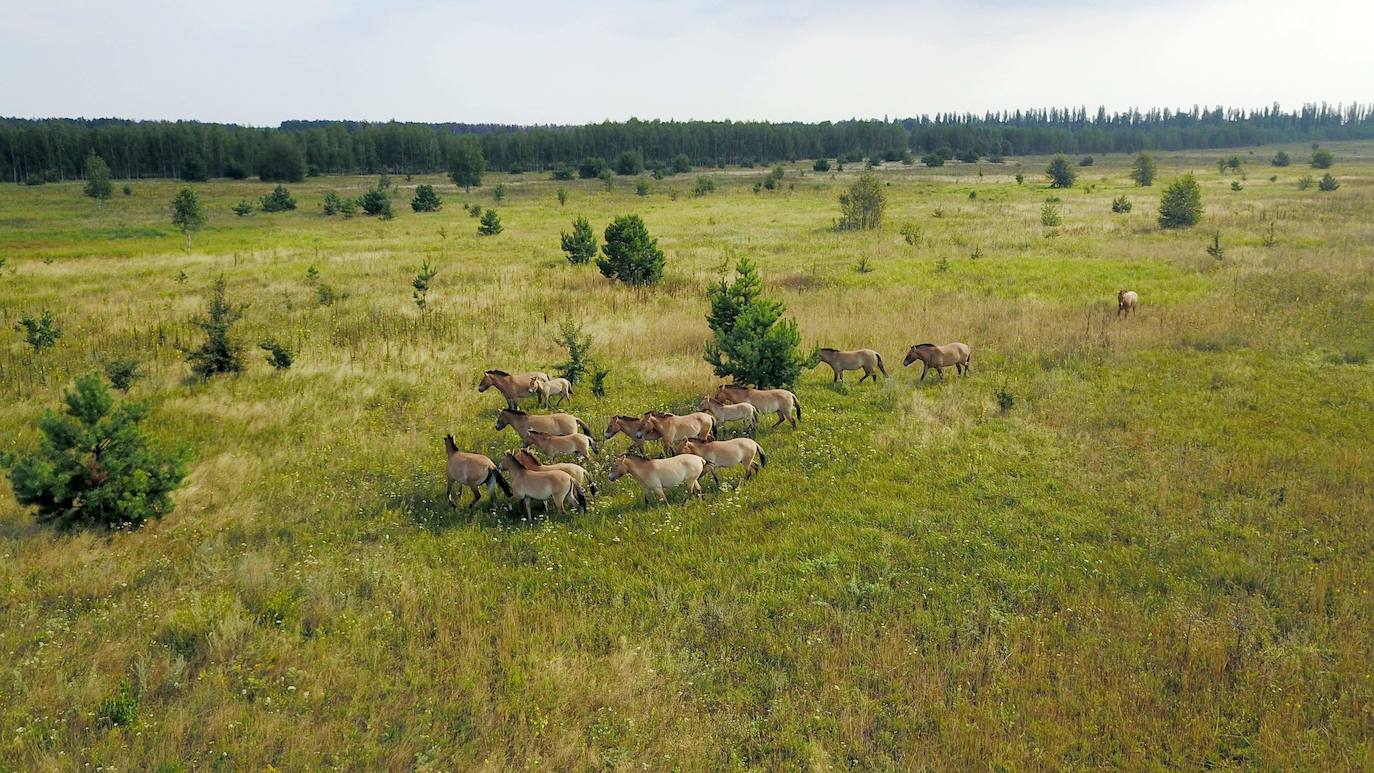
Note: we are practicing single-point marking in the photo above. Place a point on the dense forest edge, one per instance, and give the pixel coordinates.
(35, 151)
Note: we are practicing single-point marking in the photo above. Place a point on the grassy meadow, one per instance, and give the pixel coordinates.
(1159, 556)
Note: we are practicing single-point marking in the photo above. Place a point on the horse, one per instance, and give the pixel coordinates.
(579, 445)
(561, 387)
(544, 485)
(939, 357)
(471, 470)
(724, 412)
(867, 360)
(779, 401)
(579, 473)
(655, 475)
(728, 453)
(514, 388)
(673, 429)
(1126, 302)
(552, 424)
(629, 426)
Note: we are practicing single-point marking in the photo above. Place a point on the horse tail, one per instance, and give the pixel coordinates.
(763, 458)
(881, 367)
(579, 497)
(711, 430)
(796, 403)
(582, 425)
(591, 486)
(495, 475)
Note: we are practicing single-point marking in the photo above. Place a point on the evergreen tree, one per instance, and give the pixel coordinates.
(490, 224)
(375, 201)
(188, 215)
(1322, 159)
(426, 200)
(219, 353)
(279, 200)
(1181, 204)
(467, 164)
(580, 245)
(1143, 170)
(752, 344)
(1328, 183)
(98, 185)
(1281, 159)
(95, 464)
(630, 255)
(1061, 173)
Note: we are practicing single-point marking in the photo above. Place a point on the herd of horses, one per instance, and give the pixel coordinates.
(692, 445)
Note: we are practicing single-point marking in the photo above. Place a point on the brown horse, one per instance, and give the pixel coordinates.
(674, 429)
(867, 360)
(655, 475)
(471, 470)
(579, 445)
(630, 426)
(728, 453)
(544, 485)
(779, 401)
(1126, 302)
(514, 388)
(939, 357)
(553, 423)
(724, 412)
(579, 473)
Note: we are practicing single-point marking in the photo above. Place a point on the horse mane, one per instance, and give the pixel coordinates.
(922, 346)
(539, 432)
(828, 349)
(496, 373)
(658, 414)
(449, 445)
(526, 459)
(515, 411)
(626, 418)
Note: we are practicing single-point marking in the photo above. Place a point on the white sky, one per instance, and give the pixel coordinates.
(564, 61)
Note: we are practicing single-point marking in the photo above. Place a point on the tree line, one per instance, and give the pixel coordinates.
(40, 150)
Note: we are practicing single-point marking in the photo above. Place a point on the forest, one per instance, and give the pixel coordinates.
(35, 151)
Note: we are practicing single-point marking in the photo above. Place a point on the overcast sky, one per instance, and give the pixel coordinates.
(561, 61)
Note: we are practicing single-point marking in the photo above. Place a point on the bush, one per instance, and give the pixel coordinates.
(1143, 170)
(680, 164)
(244, 208)
(1049, 215)
(235, 171)
(375, 201)
(278, 356)
(332, 204)
(933, 159)
(1121, 205)
(193, 169)
(591, 167)
(1085, 161)
(279, 200)
(128, 190)
(752, 344)
(466, 163)
(95, 464)
(969, 156)
(911, 233)
(564, 173)
(1328, 183)
(98, 185)
(499, 192)
(219, 353)
(1322, 159)
(40, 333)
(1061, 174)
(571, 338)
(34, 178)
(283, 161)
(1281, 159)
(489, 224)
(1305, 182)
(187, 213)
(629, 162)
(629, 254)
(580, 245)
(1181, 204)
(426, 200)
(820, 165)
(861, 207)
(704, 185)
(1236, 186)
(122, 373)
(642, 187)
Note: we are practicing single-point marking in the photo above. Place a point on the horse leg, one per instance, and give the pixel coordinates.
(476, 495)
(715, 477)
(782, 416)
(924, 369)
(448, 494)
(939, 371)
(529, 516)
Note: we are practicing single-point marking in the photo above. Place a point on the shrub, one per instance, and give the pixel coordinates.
(1304, 182)
(642, 187)
(821, 165)
(752, 344)
(1020, 178)
(279, 200)
(98, 185)
(282, 161)
(219, 353)
(40, 333)
(1121, 205)
(1143, 170)
(466, 163)
(933, 159)
(564, 173)
(375, 201)
(475, 210)
(324, 295)
(348, 207)
(911, 233)
(1328, 183)
(1281, 159)
(599, 381)
(704, 185)
(332, 203)
(1234, 162)
(630, 255)
(1181, 204)
(1005, 400)
(969, 156)
(1085, 161)
(571, 338)
(606, 176)
(499, 192)
(1236, 186)
(244, 208)
(629, 162)
(122, 373)
(591, 167)
(187, 213)
(193, 169)
(680, 164)
(34, 178)
(861, 207)
(1215, 249)
(1049, 215)
(1061, 174)
(426, 200)
(489, 224)
(128, 190)
(95, 464)
(1322, 159)
(580, 245)
(278, 356)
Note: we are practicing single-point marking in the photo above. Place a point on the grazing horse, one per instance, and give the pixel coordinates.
(579, 473)
(779, 401)
(552, 424)
(560, 387)
(578, 445)
(867, 360)
(674, 429)
(724, 412)
(513, 388)
(728, 453)
(655, 475)
(471, 470)
(939, 357)
(544, 485)
(1126, 302)
(629, 426)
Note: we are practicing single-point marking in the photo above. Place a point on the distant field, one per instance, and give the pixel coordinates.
(1159, 556)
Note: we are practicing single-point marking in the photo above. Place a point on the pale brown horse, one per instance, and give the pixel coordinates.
(513, 388)
(672, 430)
(1126, 302)
(544, 485)
(728, 453)
(559, 387)
(939, 357)
(579, 445)
(655, 475)
(779, 401)
(577, 471)
(471, 470)
(867, 360)
(629, 426)
(724, 412)
(553, 423)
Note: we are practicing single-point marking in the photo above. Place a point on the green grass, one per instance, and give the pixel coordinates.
(1158, 557)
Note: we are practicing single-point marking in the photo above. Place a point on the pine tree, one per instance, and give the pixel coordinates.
(95, 464)
(752, 344)
(1061, 173)
(219, 353)
(426, 200)
(1181, 204)
(630, 254)
(490, 224)
(580, 245)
